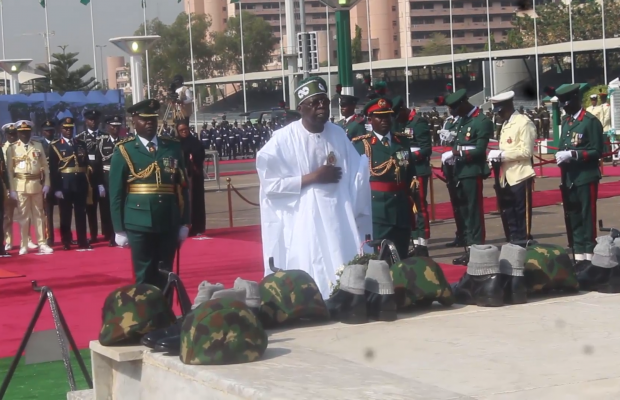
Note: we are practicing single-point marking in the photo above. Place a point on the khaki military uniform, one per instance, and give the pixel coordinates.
(595, 110)
(9, 208)
(605, 116)
(28, 173)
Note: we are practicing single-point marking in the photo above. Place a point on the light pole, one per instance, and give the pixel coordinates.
(343, 34)
(13, 68)
(101, 63)
(136, 47)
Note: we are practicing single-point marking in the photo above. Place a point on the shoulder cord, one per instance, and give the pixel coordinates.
(144, 174)
(386, 166)
(65, 160)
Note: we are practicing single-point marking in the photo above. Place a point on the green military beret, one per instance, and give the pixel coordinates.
(131, 312)
(566, 91)
(456, 97)
(379, 105)
(145, 109)
(310, 87)
(222, 331)
(287, 296)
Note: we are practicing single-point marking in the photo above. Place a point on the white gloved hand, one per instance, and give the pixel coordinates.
(447, 156)
(183, 233)
(121, 239)
(101, 191)
(13, 195)
(494, 155)
(46, 190)
(59, 195)
(563, 156)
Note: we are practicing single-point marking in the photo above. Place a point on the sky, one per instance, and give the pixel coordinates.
(70, 20)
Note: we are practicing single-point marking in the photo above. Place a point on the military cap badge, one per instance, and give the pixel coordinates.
(382, 103)
(67, 120)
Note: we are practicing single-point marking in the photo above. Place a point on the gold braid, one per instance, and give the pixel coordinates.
(383, 168)
(144, 174)
(65, 160)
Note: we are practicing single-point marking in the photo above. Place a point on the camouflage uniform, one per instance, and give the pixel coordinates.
(548, 267)
(420, 281)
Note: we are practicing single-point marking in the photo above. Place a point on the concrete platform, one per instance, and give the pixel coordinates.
(561, 348)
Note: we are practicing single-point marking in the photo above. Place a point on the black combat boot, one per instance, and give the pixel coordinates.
(170, 345)
(603, 280)
(457, 242)
(582, 265)
(381, 307)
(515, 290)
(462, 260)
(483, 290)
(152, 338)
(421, 251)
(347, 308)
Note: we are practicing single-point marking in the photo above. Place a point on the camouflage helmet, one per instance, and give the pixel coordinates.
(548, 267)
(420, 280)
(288, 296)
(222, 331)
(131, 312)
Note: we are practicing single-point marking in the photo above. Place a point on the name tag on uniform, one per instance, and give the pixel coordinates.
(91, 157)
(414, 149)
(22, 164)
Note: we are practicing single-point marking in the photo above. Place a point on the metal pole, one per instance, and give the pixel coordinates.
(282, 52)
(148, 72)
(407, 43)
(329, 56)
(369, 41)
(536, 54)
(604, 46)
(291, 37)
(245, 100)
(191, 55)
(47, 40)
(101, 60)
(304, 36)
(490, 58)
(452, 50)
(345, 60)
(572, 53)
(92, 27)
(3, 44)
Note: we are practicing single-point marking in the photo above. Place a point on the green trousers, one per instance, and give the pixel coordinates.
(148, 250)
(399, 236)
(422, 219)
(471, 207)
(582, 216)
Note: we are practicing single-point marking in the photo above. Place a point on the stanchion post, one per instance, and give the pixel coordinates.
(540, 158)
(432, 193)
(230, 211)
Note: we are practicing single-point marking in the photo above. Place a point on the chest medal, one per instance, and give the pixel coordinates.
(509, 141)
(331, 158)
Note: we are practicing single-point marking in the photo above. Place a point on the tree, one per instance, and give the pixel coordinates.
(437, 45)
(63, 78)
(258, 44)
(170, 55)
(356, 46)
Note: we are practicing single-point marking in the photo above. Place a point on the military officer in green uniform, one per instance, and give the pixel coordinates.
(352, 124)
(391, 175)
(580, 149)
(420, 141)
(149, 195)
(468, 156)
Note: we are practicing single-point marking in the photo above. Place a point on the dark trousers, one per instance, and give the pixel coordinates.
(583, 216)
(50, 202)
(422, 219)
(471, 208)
(2, 251)
(399, 236)
(198, 214)
(76, 202)
(91, 212)
(106, 218)
(148, 250)
(517, 209)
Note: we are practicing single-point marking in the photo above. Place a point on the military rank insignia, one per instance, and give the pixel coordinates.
(331, 158)
(170, 164)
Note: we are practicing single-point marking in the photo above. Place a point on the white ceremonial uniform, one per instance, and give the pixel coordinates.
(319, 227)
(595, 110)
(605, 116)
(517, 145)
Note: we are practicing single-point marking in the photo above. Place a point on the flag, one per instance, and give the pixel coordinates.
(42, 2)
(85, 2)
(143, 3)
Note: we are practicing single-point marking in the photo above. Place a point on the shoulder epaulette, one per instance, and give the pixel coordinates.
(357, 138)
(590, 115)
(172, 139)
(127, 140)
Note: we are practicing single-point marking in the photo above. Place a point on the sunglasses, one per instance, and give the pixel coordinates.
(316, 102)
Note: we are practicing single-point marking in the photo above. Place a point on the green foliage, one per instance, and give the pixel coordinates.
(437, 45)
(63, 78)
(258, 42)
(356, 46)
(585, 100)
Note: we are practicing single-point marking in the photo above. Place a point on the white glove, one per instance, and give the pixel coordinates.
(121, 239)
(495, 155)
(101, 191)
(563, 156)
(13, 195)
(447, 156)
(183, 233)
(46, 190)
(59, 195)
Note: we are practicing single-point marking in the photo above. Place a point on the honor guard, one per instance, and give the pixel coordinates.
(48, 129)
(29, 183)
(419, 133)
(352, 124)
(605, 112)
(512, 167)
(149, 196)
(103, 160)
(4, 186)
(391, 175)
(469, 157)
(91, 137)
(70, 181)
(10, 132)
(205, 137)
(594, 108)
(580, 149)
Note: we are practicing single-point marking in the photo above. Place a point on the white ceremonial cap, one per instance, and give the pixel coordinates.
(10, 125)
(499, 99)
(24, 125)
(593, 97)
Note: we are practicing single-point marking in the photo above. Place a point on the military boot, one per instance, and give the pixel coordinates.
(457, 242)
(348, 303)
(515, 290)
(483, 291)
(421, 251)
(170, 345)
(603, 280)
(252, 294)
(151, 339)
(582, 265)
(462, 260)
(512, 265)
(380, 297)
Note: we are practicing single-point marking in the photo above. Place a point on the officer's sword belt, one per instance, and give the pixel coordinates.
(387, 186)
(73, 170)
(151, 188)
(28, 177)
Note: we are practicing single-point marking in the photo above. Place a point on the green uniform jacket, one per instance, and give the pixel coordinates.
(388, 208)
(4, 180)
(585, 136)
(355, 127)
(473, 131)
(153, 213)
(420, 133)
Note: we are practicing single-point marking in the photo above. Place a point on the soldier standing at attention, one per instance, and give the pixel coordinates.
(469, 156)
(103, 159)
(149, 198)
(421, 147)
(391, 175)
(352, 124)
(49, 135)
(594, 108)
(29, 183)
(70, 183)
(580, 149)
(516, 149)
(10, 132)
(605, 113)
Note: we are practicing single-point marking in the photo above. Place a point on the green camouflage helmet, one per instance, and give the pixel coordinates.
(548, 267)
(222, 331)
(288, 296)
(133, 311)
(420, 281)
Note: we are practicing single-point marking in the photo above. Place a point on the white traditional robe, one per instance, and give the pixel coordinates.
(322, 226)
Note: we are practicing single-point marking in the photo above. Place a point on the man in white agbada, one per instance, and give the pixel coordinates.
(314, 192)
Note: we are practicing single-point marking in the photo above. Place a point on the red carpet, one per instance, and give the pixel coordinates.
(241, 161)
(4, 274)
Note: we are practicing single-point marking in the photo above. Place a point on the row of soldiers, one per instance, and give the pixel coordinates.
(66, 171)
(236, 140)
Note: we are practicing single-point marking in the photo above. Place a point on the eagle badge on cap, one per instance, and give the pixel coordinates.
(11, 126)
(382, 103)
(67, 120)
(48, 123)
(152, 105)
(24, 125)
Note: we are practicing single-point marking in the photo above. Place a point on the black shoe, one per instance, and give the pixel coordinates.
(421, 251)
(524, 243)
(457, 242)
(462, 260)
(582, 265)
(381, 307)
(483, 290)
(50, 242)
(86, 246)
(112, 243)
(515, 290)
(347, 308)
(66, 247)
(74, 242)
(93, 241)
(603, 280)
(152, 338)
(170, 345)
